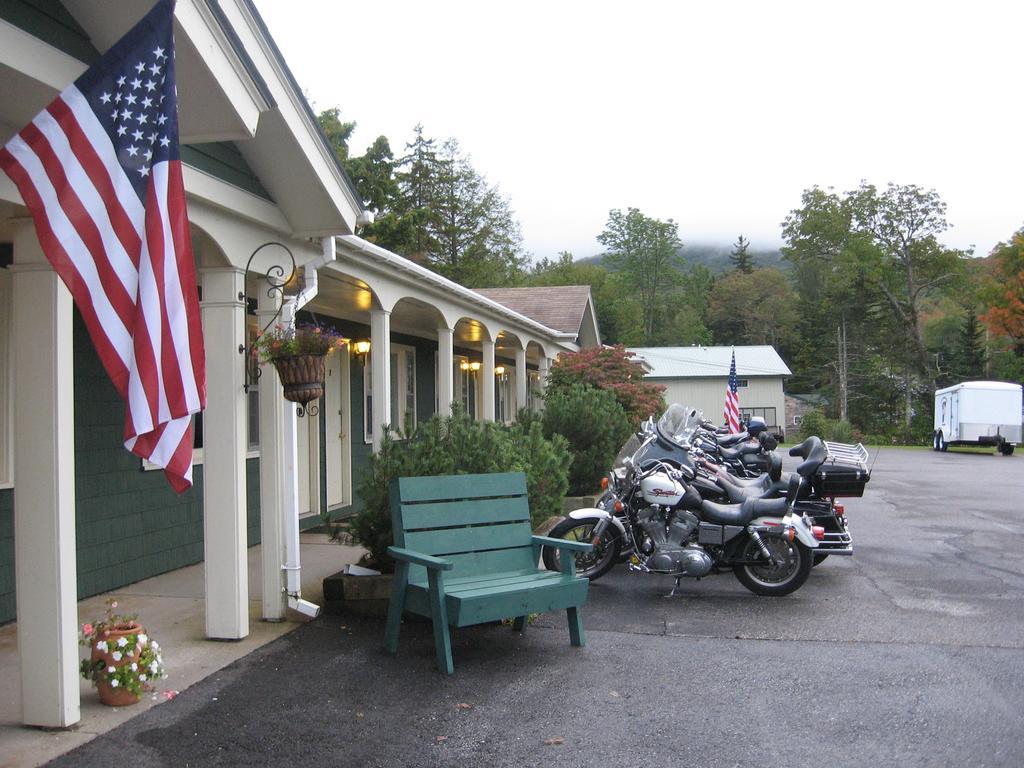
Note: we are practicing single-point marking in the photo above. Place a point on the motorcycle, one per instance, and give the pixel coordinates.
(829, 470)
(672, 531)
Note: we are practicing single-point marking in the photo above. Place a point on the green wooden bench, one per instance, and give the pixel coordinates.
(465, 554)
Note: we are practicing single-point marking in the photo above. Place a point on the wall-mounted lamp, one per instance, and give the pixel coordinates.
(360, 348)
(466, 365)
(499, 370)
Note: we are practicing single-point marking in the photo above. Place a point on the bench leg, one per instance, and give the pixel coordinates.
(439, 615)
(519, 624)
(396, 606)
(576, 627)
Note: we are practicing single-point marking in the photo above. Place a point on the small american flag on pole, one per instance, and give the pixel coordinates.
(732, 399)
(100, 172)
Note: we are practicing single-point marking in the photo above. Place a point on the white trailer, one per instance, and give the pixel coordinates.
(978, 413)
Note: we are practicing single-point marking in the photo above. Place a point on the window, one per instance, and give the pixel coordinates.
(740, 383)
(768, 414)
(402, 389)
(533, 391)
(504, 395)
(466, 373)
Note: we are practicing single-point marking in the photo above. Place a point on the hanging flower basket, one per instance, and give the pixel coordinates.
(302, 377)
(299, 355)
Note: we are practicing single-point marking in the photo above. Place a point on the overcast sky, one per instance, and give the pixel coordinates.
(717, 115)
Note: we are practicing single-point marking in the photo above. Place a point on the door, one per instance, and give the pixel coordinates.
(954, 416)
(338, 430)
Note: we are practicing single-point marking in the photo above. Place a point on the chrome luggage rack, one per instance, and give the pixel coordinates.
(845, 453)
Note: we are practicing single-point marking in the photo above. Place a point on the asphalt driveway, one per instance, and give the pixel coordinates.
(911, 653)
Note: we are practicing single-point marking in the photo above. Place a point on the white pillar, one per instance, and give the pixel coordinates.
(44, 499)
(445, 370)
(487, 379)
(224, 448)
(380, 375)
(272, 451)
(522, 379)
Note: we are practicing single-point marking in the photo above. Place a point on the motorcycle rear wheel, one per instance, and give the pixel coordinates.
(592, 565)
(775, 580)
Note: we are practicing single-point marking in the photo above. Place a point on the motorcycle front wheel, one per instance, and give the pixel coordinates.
(787, 572)
(592, 565)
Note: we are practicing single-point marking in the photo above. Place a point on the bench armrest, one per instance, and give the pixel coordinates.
(418, 558)
(574, 546)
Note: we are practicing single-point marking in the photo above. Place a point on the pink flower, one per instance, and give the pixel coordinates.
(113, 604)
(87, 629)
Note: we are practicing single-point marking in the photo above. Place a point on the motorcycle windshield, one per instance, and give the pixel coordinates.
(678, 423)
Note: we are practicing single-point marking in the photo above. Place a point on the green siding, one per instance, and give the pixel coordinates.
(50, 22)
(223, 160)
(6, 555)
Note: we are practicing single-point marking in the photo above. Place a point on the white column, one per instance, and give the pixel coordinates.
(487, 379)
(44, 499)
(224, 448)
(522, 379)
(380, 359)
(445, 370)
(271, 472)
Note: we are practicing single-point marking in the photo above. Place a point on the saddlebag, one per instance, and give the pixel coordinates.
(844, 471)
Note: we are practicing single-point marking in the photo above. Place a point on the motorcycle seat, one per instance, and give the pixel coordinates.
(731, 439)
(743, 482)
(740, 450)
(762, 487)
(742, 513)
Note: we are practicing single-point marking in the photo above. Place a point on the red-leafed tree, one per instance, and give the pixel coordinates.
(1005, 315)
(613, 369)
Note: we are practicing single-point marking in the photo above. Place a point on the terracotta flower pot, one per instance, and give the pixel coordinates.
(109, 695)
(302, 377)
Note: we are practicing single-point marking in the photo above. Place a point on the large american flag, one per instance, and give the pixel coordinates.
(732, 399)
(100, 172)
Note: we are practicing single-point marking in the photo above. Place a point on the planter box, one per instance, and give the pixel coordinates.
(366, 595)
(569, 503)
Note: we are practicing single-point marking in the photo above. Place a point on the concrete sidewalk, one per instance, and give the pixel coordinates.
(172, 609)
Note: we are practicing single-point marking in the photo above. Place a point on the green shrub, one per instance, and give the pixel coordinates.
(595, 427)
(814, 422)
(458, 445)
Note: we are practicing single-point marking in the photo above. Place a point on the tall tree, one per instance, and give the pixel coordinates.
(866, 251)
(474, 238)
(751, 308)
(969, 353)
(646, 253)
(1005, 294)
(741, 260)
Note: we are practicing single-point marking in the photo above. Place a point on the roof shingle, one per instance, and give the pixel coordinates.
(559, 307)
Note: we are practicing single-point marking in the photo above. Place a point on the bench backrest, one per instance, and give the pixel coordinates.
(479, 522)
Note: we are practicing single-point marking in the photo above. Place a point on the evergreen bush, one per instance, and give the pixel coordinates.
(457, 445)
(595, 427)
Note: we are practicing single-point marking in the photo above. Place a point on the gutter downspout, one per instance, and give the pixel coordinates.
(291, 566)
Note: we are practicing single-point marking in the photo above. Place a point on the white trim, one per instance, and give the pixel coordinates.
(235, 200)
(28, 55)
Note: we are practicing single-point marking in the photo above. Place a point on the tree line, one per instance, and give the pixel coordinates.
(868, 307)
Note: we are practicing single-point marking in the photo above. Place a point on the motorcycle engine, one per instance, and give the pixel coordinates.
(671, 550)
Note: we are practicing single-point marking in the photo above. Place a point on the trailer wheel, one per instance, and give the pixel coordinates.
(935, 441)
(1006, 449)
(941, 441)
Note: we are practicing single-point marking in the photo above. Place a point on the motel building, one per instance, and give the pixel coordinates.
(80, 515)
